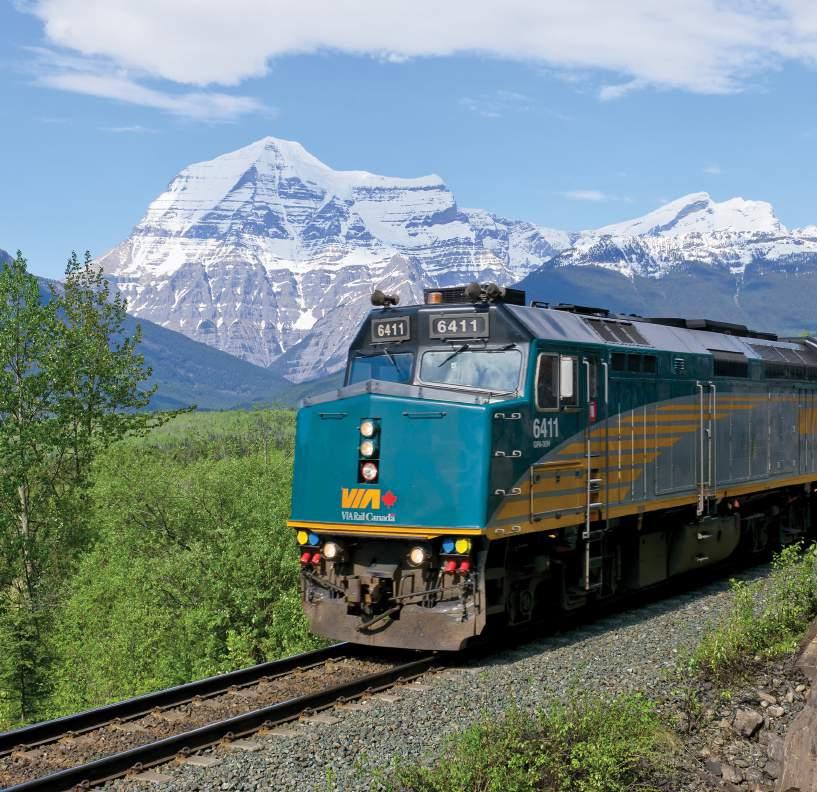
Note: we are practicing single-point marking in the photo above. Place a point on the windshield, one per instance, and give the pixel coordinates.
(391, 367)
(496, 371)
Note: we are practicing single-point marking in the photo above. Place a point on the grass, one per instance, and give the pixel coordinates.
(588, 744)
(768, 617)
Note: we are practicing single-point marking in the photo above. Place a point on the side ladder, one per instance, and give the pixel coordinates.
(593, 537)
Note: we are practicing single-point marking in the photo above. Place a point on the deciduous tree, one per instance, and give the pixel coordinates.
(71, 384)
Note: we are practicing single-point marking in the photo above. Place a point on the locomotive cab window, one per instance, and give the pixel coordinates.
(388, 366)
(556, 381)
(494, 370)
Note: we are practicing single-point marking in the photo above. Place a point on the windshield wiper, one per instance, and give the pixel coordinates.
(454, 354)
(391, 359)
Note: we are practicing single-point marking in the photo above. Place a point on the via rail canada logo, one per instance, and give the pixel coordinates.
(366, 505)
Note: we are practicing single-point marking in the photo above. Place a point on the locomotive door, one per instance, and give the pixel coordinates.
(558, 486)
(630, 441)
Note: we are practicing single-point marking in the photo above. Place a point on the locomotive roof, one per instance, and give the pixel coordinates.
(560, 325)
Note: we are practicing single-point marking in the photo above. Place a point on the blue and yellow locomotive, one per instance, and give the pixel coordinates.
(488, 462)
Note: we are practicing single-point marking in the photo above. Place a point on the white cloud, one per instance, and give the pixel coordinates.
(608, 93)
(199, 105)
(714, 169)
(586, 195)
(99, 77)
(707, 46)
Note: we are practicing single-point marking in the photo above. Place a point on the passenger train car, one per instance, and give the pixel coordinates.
(489, 462)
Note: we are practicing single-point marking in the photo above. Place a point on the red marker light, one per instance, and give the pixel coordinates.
(316, 559)
(450, 567)
(305, 557)
(465, 566)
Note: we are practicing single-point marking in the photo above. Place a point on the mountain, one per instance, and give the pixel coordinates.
(270, 255)
(733, 261)
(188, 372)
(191, 373)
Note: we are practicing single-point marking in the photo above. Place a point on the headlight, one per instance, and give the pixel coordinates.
(332, 551)
(417, 556)
(369, 471)
(367, 448)
(368, 428)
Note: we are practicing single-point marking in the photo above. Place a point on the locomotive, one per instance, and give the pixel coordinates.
(488, 463)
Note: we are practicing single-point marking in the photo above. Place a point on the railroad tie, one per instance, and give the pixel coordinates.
(251, 746)
(321, 717)
(198, 760)
(153, 777)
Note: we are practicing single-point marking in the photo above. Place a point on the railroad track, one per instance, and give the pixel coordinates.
(98, 745)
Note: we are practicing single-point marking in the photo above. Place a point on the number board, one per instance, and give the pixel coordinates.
(459, 326)
(391, 329)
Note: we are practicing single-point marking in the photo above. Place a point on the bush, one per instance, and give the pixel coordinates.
(586, 745)
(768, 617)
(193, 571)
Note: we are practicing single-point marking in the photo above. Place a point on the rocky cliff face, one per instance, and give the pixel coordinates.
(270, 255)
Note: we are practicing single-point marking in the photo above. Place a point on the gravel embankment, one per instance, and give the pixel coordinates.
(628, 651)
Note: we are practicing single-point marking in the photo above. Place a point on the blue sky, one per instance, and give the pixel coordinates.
(561, 116)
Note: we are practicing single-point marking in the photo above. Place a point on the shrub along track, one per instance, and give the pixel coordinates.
(109, 742)
(100, 744)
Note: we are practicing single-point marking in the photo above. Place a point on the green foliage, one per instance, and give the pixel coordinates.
(193, 571)
(768, 617)
(586, 745)
(70, 386)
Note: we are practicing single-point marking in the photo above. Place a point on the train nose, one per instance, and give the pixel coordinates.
(384, 459)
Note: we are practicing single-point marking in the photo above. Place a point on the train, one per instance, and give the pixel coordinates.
(489, 463)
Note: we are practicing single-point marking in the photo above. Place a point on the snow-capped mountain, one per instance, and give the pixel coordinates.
(732, 260)
(271, 255)
(698, 213)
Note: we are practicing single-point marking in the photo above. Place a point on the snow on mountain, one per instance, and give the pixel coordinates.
(271, 255)
(732, 260)
(729, 235)
(698, 213)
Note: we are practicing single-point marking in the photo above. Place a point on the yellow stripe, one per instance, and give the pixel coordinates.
(378, 530)
(630, 509)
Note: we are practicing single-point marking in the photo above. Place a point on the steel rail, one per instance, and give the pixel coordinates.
(109, 767)
(48, 731)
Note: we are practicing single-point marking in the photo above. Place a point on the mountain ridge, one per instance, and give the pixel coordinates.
(270, 255)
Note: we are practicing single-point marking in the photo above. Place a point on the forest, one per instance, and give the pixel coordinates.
(138, 550)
